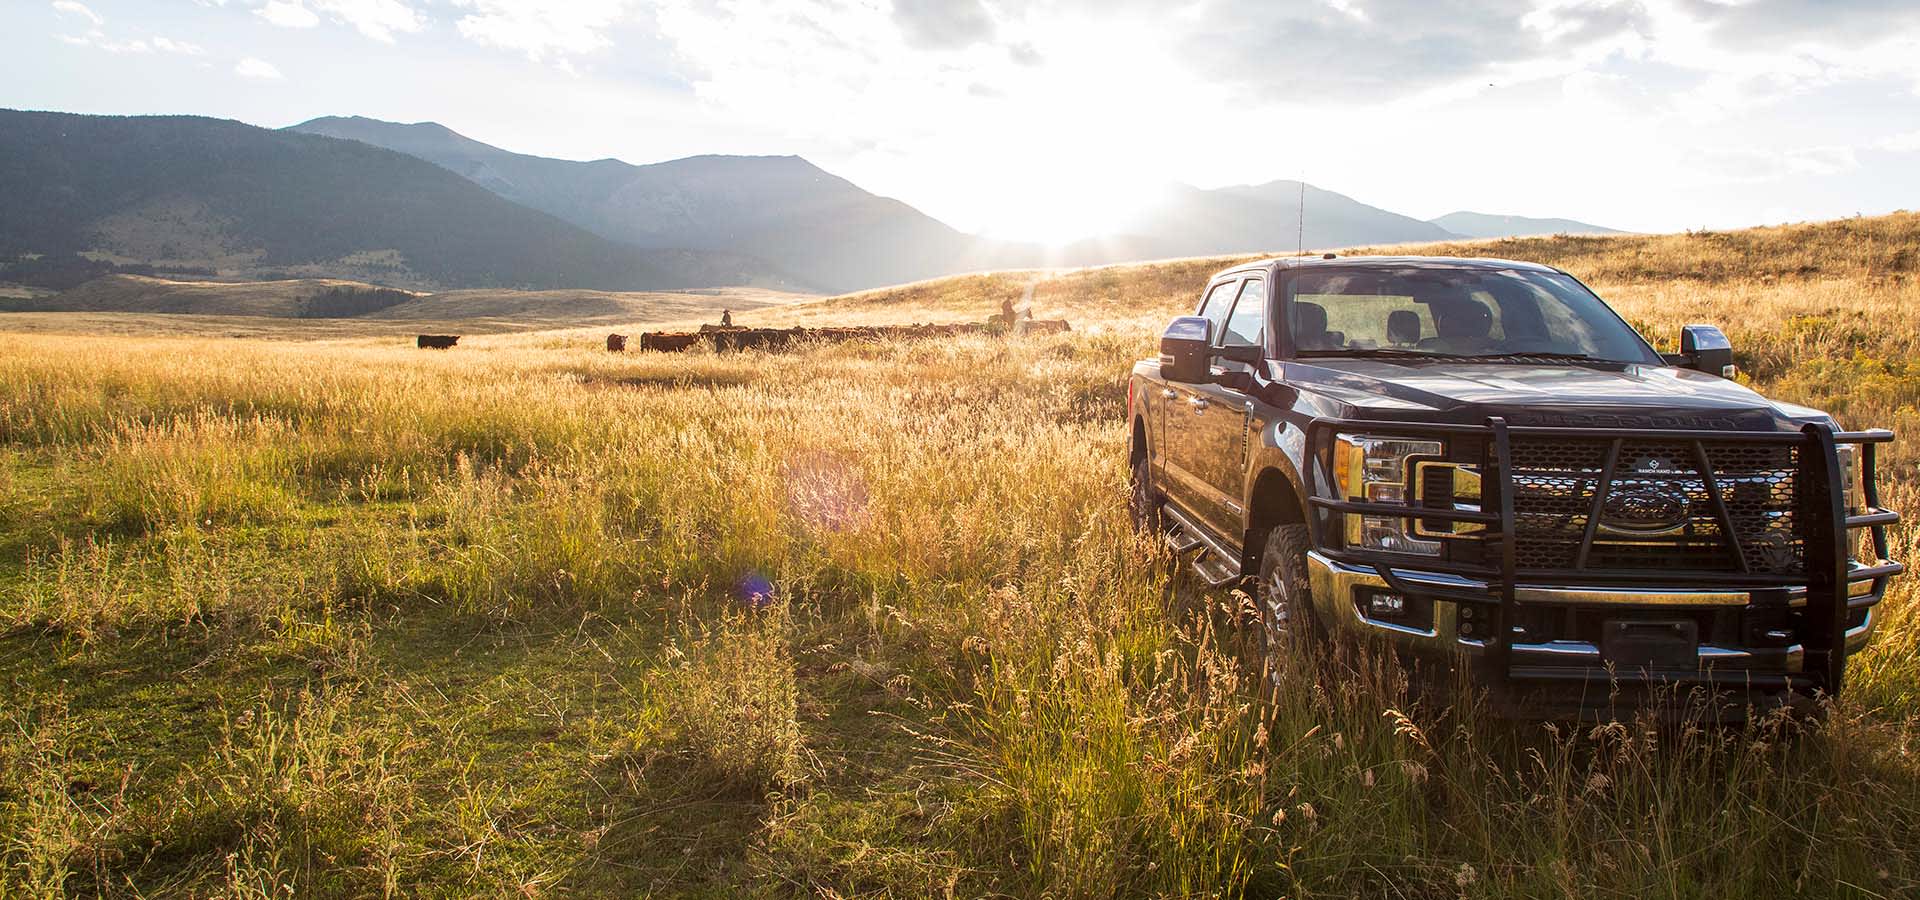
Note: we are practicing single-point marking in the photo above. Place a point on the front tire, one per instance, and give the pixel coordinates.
(1285, 594)
(1143, 501)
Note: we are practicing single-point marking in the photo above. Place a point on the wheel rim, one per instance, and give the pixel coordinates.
(1277, 602)
(1142, 497)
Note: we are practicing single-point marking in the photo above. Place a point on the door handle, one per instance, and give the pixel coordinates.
(1199, 404)
(1169, 393)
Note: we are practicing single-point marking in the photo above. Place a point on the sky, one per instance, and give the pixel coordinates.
(1044, 119)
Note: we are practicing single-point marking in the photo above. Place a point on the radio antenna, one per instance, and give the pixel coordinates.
(1300, 235)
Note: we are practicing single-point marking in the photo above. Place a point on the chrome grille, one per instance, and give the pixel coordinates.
(1658, 513)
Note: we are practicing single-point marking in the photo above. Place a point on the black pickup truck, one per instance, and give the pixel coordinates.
(1478, 462)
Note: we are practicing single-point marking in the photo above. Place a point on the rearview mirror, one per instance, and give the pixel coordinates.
(1705, 348)
(1184, 348)
(1242, 353)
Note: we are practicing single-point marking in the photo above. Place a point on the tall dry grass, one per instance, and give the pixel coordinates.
(353, 619)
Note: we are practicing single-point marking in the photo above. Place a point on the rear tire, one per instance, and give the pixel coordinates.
(1285, 595)
(1143, 501)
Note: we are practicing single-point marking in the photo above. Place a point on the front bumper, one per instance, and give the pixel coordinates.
(1735, 617)
(1337, 587)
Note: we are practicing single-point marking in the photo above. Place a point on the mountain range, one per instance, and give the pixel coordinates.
(1188, 221)
(819, 227)
(1483, 225)
(207, 196)
(422, 207)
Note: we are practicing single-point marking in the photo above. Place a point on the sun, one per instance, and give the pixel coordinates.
(1061, 206)
(1065, 149)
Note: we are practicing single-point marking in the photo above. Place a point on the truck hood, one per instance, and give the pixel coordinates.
(1555, 395)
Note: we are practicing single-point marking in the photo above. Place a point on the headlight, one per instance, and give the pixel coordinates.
(1376, 470)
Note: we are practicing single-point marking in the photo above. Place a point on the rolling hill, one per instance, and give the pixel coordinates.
(573, 308)
(214, 196)
(422, 207)
(1259, 218)
(829, 232)
(823, 229)
(1489, 225)
(291, 298)
(336, 299)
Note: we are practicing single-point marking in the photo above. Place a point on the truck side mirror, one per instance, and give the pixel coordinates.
(1184, 349)
(1705, 348)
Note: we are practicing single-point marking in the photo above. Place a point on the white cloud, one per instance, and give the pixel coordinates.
(90, 39)
(72, 8)
(288, 14)
(184, 48)
(98, 40)
(1036, 128)
(377, 19)
(1000, 114)
(1752, 54)
(1748, 165)
(1899, 143)
(541, 29)
(257, 69)
(1348, 8)
(943, 24)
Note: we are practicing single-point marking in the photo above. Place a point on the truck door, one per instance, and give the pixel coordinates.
(1189, 449)
(1223, 423)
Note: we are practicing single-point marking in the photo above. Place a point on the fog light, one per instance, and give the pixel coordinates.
(1387, 606)
(1392, 608)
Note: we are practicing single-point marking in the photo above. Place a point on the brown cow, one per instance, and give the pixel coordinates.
(436, 341)
(753, 338)
(616, 343)
(668, 341)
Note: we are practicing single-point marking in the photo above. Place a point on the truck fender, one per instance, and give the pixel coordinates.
(1275, 492)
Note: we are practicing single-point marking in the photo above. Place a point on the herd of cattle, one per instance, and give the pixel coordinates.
(724, 338)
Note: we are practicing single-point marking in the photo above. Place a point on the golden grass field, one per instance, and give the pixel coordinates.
(340, 618)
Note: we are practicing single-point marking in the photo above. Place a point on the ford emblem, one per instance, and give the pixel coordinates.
(1645, 511)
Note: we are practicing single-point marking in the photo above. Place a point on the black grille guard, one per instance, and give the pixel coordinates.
(1828, 570)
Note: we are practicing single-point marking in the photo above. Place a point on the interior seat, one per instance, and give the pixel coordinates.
(1461, 327)
(1403, 328)
(1309, 325)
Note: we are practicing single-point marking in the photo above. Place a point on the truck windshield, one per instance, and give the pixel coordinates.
(1413, 311)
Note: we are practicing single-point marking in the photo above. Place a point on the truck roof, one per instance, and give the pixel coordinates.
(1425, 262)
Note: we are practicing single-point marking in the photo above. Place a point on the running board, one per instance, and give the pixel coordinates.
(1182, 543)
(1215, 564)
(1215, 571)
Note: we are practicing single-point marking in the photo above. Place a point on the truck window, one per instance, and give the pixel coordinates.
(1366, 321)
(1453, 312)
(1219, 301)
(1248, 322)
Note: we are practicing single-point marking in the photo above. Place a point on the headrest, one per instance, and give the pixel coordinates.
(1403, 326)
(1467, 319)
(1309, 319)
